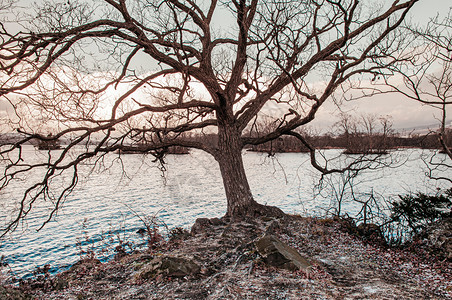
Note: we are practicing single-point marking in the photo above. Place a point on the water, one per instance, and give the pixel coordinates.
(107, 205)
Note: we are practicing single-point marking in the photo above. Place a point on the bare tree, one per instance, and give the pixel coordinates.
(364, 133)
(427, 78)
(150, 72)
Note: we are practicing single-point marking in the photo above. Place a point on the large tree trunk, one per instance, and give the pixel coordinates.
(240, 201)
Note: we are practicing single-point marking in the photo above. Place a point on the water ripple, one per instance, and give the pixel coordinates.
(107, 205)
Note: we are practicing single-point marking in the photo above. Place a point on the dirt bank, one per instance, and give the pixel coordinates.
(221, 261)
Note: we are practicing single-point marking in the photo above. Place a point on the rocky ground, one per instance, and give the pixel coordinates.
(232, 261)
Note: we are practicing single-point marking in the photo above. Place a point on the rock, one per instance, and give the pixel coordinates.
(278, 254)
(202, 224)
(273, 227)
(439, 237)
(169, 266)
(141, 231)
(216, 222)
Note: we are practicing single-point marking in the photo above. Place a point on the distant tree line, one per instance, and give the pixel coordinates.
(364, 134)
(353, 141)
(353, 144)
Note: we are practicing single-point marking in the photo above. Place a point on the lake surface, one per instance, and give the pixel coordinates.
(109, 204)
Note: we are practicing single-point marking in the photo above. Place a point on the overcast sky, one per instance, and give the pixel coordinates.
(405, 113)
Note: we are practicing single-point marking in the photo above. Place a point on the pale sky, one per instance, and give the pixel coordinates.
(405, 113)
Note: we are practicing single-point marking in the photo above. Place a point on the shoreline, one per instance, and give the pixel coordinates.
(343, 266)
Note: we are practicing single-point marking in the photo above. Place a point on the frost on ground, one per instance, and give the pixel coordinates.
(222, 263)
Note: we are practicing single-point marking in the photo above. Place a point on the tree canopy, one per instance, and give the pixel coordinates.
(114, 74)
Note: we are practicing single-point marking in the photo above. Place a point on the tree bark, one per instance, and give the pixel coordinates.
(240, 201)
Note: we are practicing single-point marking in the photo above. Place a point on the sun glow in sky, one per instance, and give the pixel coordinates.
(405, 113)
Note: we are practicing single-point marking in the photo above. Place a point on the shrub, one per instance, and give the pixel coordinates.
(420, 210)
